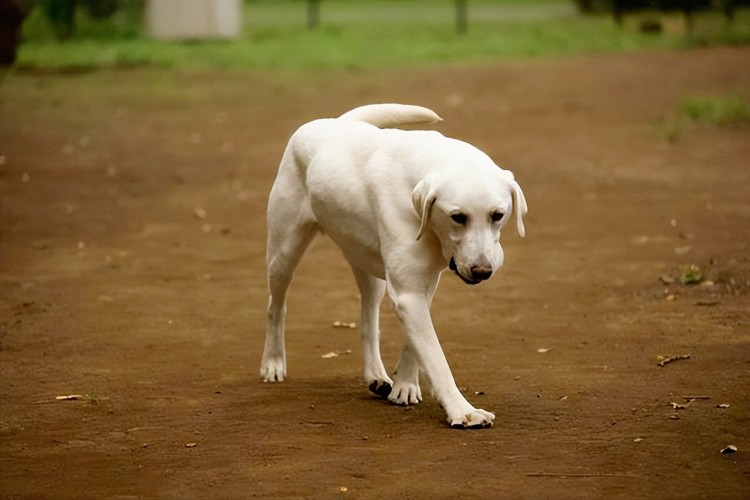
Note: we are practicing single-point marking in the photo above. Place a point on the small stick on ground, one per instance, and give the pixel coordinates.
(672, 359)
(573, 475)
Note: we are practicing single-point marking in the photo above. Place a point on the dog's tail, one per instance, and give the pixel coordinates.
(391, 115)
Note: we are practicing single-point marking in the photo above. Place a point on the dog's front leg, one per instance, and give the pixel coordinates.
(406, 389)
(414, 312)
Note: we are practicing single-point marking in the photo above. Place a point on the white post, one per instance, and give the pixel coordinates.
(193, 19)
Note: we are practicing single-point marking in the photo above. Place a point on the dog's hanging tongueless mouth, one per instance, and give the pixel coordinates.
(452, 266)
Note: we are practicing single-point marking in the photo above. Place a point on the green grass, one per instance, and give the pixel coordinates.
(711, 110)
(717, 110)
(366, 33)
(691, 275)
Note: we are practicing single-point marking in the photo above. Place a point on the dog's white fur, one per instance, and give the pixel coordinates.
(401, 205)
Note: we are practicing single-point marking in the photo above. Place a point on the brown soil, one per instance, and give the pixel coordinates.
(132, 271)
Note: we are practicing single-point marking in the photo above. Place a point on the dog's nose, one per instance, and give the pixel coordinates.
(480, 273)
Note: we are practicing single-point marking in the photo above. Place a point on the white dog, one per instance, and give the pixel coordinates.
(401, 205)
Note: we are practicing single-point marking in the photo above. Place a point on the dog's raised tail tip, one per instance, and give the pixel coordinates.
(392, 115)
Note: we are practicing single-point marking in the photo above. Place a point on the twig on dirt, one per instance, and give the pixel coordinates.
(576, 475)
(318, 423)
(672, 359)
(70, 397)
(335, 354)
(343, 324)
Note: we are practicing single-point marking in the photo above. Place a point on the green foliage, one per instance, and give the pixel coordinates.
(83, 19)
(715, 110)
(671, 128)
(718, 110)
(100, 9)
(61, 15)
(691, 275)
(359, 34)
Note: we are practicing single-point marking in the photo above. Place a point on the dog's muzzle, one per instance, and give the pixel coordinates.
(478, 273)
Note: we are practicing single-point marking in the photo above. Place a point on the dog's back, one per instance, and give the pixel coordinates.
(316, 138)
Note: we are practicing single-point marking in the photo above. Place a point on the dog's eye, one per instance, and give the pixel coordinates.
(459, 218)
(496, 216)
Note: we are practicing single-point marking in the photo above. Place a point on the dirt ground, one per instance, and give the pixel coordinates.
(132, 267)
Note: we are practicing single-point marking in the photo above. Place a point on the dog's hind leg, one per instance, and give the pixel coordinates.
(372, 290)
(289, 235)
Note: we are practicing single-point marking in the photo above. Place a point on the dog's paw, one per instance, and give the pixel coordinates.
(404, 393)
(273, 370)
(380, 388)
(474, 419)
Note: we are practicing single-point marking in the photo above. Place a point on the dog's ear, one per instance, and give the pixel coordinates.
(423, 197)
(519, 205)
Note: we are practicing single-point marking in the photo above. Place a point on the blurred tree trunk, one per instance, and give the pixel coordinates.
(462, 17)
(313, 14)
(12, 14)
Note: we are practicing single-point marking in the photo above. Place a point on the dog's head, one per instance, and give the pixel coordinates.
(467, 213)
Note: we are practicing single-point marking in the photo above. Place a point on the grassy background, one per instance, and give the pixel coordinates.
(365, 33)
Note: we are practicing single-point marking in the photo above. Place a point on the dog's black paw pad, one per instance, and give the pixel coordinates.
(382, 389)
